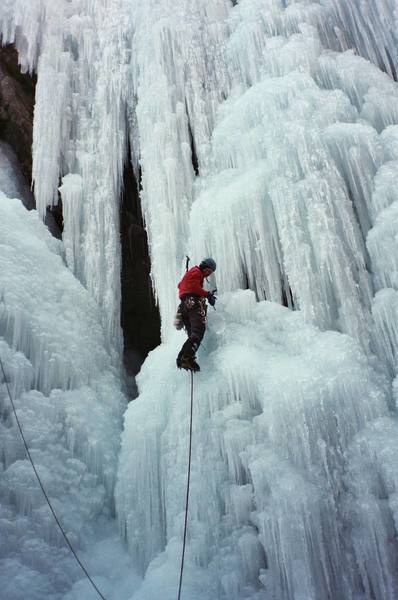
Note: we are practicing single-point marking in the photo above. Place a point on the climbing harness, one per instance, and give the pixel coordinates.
(44, 491)
(187, 494)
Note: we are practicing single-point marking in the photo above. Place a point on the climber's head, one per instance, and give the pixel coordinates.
(207, 266)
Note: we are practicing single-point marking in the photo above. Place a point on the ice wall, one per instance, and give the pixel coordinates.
(69, 402)
(370, 27)
(294, 483)
(293, 491)
(264, 133)
(294, 154)
(157, 74)
(79, 51)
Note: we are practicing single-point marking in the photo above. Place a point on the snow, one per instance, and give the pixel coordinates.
(264, 134)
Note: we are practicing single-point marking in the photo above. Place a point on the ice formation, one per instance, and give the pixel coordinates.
(283, 414)
(263, 133)
(69, 401)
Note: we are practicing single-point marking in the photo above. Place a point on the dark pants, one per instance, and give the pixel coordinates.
(193, 312)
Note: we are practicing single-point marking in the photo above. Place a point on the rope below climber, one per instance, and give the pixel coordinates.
(191, 312)
(29, 455)
(184, 541)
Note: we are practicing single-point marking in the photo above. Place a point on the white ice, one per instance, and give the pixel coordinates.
(280, 409)
(263, 133)
(69, 401)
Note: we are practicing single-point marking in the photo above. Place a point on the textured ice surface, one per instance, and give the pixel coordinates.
(281, 410)
(80, 128)
(69, 403)
(271, 113)
(264, 133)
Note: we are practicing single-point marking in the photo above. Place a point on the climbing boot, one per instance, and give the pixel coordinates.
(189, 364)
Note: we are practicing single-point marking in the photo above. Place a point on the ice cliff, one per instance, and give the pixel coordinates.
(263, 133)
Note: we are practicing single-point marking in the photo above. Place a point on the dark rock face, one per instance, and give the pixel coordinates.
(17, 99)
(140, 318)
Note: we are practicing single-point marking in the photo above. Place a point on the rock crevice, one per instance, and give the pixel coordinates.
(140, 317)
(17, 99)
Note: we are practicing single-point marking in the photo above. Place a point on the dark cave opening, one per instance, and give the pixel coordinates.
(140, 319)
(55, 220)
(17, 101)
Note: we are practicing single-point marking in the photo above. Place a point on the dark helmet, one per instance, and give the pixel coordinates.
(208, 263)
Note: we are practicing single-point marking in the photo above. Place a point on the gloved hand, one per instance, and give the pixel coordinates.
(211, 299)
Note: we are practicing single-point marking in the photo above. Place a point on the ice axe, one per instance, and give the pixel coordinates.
(212, 293)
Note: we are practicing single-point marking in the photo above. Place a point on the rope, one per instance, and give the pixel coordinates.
(187, 495)
(44, 491)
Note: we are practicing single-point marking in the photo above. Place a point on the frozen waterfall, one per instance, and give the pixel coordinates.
(263, 133)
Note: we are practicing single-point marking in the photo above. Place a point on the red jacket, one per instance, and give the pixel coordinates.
(192, 283)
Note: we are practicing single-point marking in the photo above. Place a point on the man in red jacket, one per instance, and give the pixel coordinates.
(193, 311)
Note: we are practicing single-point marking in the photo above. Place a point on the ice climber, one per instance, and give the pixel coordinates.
(192, 311)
